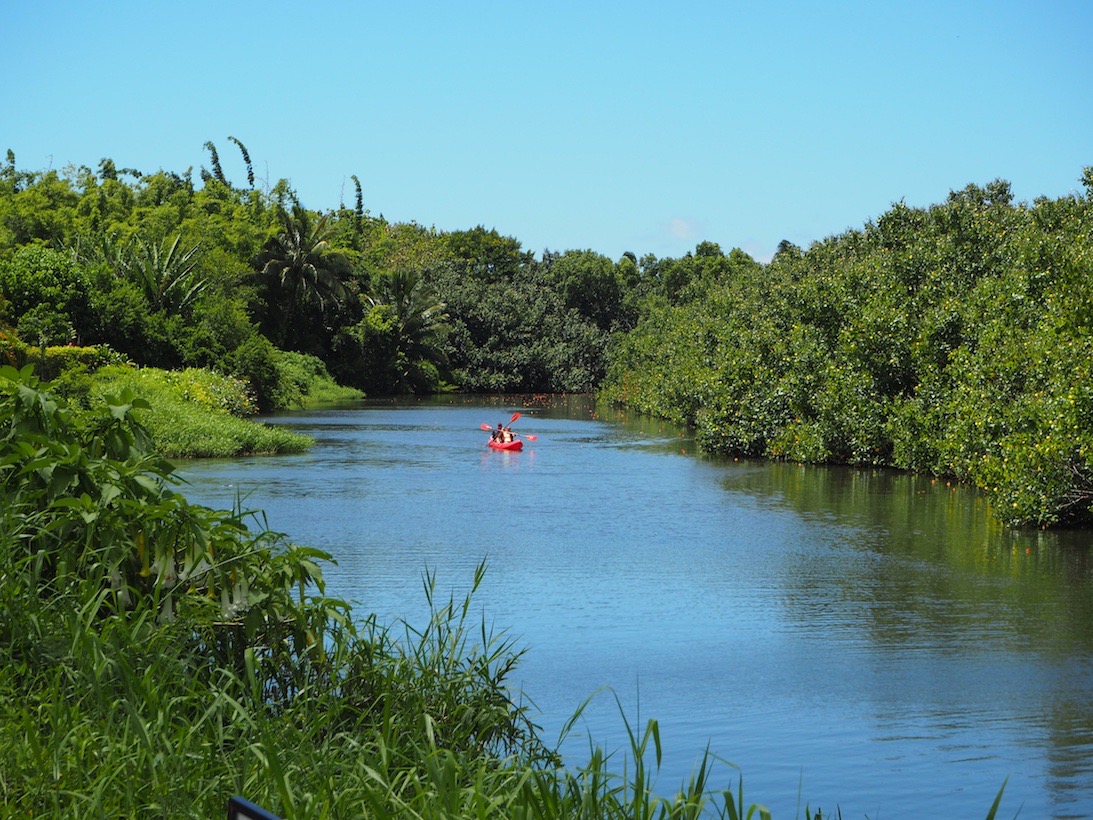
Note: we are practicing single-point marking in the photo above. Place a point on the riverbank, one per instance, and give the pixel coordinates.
(197, 413)
(951, 341)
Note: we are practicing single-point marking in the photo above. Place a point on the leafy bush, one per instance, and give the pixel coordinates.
(45, 281)
(303, 381)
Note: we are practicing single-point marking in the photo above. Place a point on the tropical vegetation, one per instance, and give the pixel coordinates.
(157, 656)
(952, 339)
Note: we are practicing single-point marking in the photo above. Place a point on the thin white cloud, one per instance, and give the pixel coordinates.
(679, 228)
(758, 251)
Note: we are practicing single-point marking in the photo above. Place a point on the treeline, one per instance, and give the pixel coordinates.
(175, 273)
(952, 340)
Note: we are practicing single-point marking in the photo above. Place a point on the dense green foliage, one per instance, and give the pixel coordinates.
(173, 274)
(955, 340)
(157, 656)
(196, 413)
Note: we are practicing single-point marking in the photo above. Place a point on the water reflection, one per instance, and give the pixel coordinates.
(961, 614)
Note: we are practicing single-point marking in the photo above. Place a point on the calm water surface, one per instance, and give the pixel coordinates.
(861, 639)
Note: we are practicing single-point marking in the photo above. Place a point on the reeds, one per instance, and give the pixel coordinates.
(123, 717)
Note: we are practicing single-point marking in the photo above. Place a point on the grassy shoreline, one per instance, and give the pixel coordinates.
(191, 414)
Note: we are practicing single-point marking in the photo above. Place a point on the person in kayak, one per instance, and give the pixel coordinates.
(507, 435)
(499, 433)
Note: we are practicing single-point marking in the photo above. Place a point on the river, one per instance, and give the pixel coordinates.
(854, 639)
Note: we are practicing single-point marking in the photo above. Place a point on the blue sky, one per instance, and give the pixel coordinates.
(610, 126)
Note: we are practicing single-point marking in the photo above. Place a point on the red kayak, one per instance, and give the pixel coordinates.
(515, 445)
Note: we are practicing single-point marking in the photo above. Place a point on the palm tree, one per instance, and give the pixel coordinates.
(421, 325)
(300, 273)
(167, 272)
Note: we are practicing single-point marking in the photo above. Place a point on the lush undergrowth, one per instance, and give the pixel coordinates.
(303, 381)
(196, 413)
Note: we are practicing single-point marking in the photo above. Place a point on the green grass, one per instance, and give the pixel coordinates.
(191, 413)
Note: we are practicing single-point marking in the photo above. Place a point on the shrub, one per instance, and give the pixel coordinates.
(952, 340)
(303, 381)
